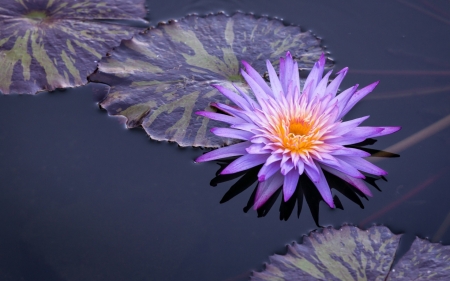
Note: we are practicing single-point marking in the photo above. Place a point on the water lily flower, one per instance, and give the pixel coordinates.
(292, 131)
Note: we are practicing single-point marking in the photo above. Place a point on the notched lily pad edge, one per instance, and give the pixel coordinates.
(396, 261)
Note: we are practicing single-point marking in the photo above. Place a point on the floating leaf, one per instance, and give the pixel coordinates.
(352, 254)
(49, 44)
(345, 254)
(424, 261)
(160, 78)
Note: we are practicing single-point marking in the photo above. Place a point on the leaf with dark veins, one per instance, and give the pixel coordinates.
(352, 254)
(160, 78)
(49, 44)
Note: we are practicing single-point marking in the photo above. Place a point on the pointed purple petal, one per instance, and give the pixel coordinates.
(363, 165)
(358, 96)
(274, 80)
(258, 78)
(385, 131)
(244, 162)
(224, 152)
(358, 183)
(266, 189)
(343, 99)
(268, 170)
(322, 86)
(232, 111)
(256, 88)
(257, 149)
(221, 117)
(324, 189)
(312, 171)
(334, 85)
(315, 75)
(348, 151)
(342, 166)
(290, 184)
(363, 132)
(232, 133)
(234, 97)
(347, 126)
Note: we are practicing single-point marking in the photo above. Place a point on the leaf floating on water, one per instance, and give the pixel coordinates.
(352, 254)
(346, 254)
(49, 44)
(424, 261)
(160, 78)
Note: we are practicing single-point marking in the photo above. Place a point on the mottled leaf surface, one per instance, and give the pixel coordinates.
(160, 78)
(424, 261)
(345, 254)
(49, 44)
(352, 254)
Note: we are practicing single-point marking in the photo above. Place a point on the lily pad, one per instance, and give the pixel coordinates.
(352, 254)
(424, 261)
(161, 77)
(49, 44)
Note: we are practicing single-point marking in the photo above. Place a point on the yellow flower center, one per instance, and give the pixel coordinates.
(299, 128)
(299, 136)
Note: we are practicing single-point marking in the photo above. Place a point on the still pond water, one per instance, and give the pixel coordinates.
(83, 198)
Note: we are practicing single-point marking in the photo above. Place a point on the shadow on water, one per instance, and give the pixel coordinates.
(305, 188)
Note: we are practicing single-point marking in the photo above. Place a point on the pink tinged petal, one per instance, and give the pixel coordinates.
(363, 165)
(290, 184)
(234, 97)
(266, 189)
(221, 117)
(268, 170)
(386, 131)
(274, 80)
(322, 86)
(224, 152)
(334, 85)
(347, 126)
(232, 133)
(343, 99)
(258, 78)
(358, 183)
(315, 75)
(358, 96)
(324, 188)
(244, 163)
(257, 149)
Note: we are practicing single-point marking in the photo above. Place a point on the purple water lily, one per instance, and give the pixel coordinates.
(292, 131)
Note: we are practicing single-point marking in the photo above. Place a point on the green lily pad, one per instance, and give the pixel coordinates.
(352, 254)
(49, 44)
(160, 78)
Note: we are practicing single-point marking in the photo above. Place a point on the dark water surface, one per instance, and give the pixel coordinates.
(83, 198)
